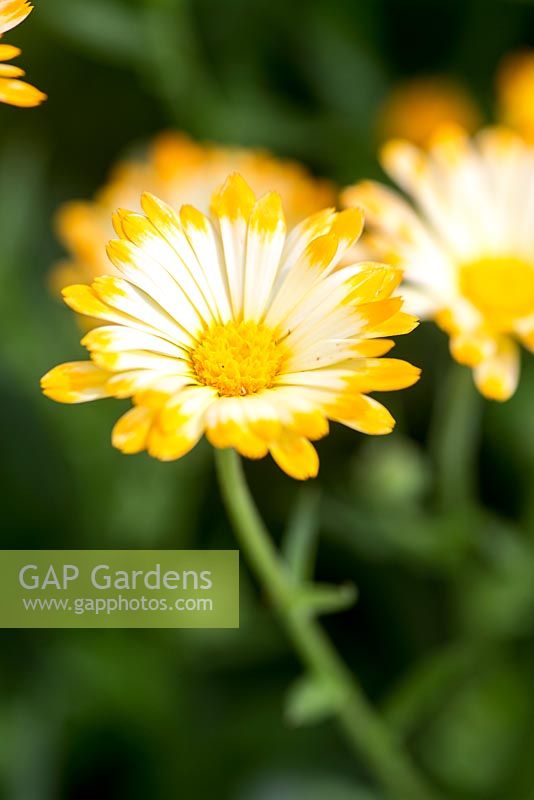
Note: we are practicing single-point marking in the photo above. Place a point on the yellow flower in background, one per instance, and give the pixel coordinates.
(416, 108)
(466, 245)
(12, 90)
(177, 169)
(225, 325)
(515, 93)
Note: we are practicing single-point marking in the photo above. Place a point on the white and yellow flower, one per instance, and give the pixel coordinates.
(466, 244)
(515, 93)
(418, 107)
(12, 90)
(177, 169)
(230, 327)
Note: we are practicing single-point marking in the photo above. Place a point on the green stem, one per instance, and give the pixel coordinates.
(454, 436)
(365, 731)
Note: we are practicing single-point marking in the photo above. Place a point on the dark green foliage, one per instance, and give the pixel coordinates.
(435, 524)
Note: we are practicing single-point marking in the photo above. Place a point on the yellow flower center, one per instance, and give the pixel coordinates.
(502, 289)
(238, 358)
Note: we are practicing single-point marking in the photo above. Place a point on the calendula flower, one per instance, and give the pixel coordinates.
(12, 90)
(515, 93)
(178, 170)
(229, 327)
(467, 246)
(416, 108)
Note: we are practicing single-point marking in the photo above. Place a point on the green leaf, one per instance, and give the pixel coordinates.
(454, 438)
(312, 700)
(299, 547)
(496, 595)
(426, 689)
(472, 744)
(439, 543)
(318, 598)
(392, 474)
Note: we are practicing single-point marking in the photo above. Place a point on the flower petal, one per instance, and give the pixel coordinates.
(131, 431)
(382, 375)
(525, 331)
(19, 93)
(363, 414)
(181, 423)
(296, 456)
(232, 206)
(265, 241)
(9, 51)
(12, 13)
(497, 376)
(227, 426)
(75, 382)
(472, 347)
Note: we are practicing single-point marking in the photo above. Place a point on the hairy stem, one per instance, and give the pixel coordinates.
(455, 435)
(364, 729)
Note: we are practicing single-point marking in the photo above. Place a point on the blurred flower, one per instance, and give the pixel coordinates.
(467, 250)
(416, 108)
(515, 93)
(14, 91)
(392, 475)
(228, 327)
(177, 169)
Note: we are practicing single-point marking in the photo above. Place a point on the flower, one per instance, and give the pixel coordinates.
(515, 93)
(177, 169)
(416, 108)
(12, 90)
(467, 247)
(228, 326)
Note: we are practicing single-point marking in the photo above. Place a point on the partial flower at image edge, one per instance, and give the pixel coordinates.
(464, 243)
(13, 91)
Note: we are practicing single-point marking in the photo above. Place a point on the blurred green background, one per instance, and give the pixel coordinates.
(434, 524)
